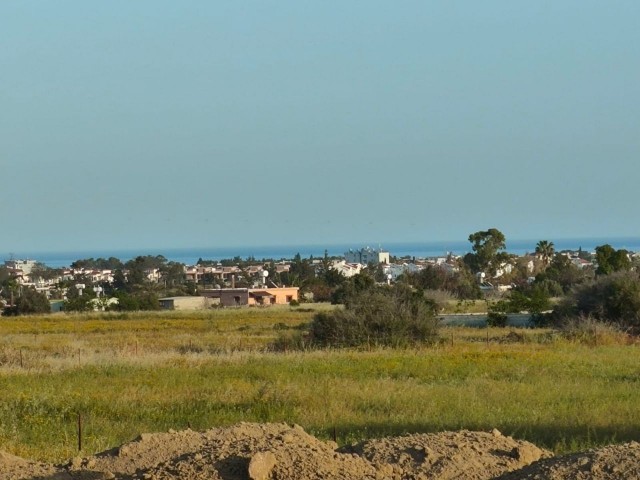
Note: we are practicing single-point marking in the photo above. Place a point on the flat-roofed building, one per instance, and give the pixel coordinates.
(237, 297)
(187, 303)
(366, 256)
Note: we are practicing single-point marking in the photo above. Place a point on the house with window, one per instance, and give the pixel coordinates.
(238, 297)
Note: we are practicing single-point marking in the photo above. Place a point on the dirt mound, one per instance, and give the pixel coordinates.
(251, 451)
(448, 455)
(264, 451)
(16, 468)
(146, 451)
(607, 463)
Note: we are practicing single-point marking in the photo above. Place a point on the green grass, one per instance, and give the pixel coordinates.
(211, 369)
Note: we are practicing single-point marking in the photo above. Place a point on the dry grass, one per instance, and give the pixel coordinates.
(212, 369)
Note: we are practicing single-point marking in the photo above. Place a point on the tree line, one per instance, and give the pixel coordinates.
(546, 281)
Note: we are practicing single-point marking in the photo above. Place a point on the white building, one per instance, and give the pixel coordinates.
(25, 265)
(366, 256)
(395, 270)
(346, 269)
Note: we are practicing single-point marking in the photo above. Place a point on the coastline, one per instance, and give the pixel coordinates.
(190, 256)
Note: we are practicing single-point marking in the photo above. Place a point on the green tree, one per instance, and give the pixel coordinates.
(612, 298)
(376, 270)
(488, 251)
(173, 273)
(77, 302)
(584, 255)
(8, 283)
(533, 300)
(361, 282)
(301, 273)
(111, 263)
(562, 271)
(545, 251)
(29, 302)
(41, 271)
(119, 280)
(140, 264)
(460, 283)
(333, 278)
(611, 260)
(138, 300)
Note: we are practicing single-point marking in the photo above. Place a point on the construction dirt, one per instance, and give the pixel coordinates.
(251, 451)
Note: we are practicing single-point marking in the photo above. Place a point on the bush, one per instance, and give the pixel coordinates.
(351, 288)
(321, 292)
(550, 288)
(533, 300)
(587, 330)
(496, 319)
(462, 284)
(382, 316)
(611, 298)
(79, 304)
(540, 320)
(142, 300)
(285, 343)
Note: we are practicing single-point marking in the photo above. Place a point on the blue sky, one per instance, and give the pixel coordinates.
(168, 124)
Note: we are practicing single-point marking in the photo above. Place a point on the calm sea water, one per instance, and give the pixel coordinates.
(190, 256)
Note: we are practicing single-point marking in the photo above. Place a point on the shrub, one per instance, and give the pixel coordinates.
(540, 320)
(440, 298)
(285, 343)
(587, 330)
(351, 288)
(383, 316)
(496, 319)
(551, 288)
(321, 292)
(136, 301)
(533, 300)
(611, 298)
(462, 284)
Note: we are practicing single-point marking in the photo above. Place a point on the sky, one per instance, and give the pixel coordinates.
(164, 124)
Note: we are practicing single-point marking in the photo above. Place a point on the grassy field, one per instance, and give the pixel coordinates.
(141, 373)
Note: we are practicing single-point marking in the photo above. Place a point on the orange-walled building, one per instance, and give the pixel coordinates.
(236, 297)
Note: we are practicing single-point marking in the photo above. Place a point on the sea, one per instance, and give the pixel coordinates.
(190, 256)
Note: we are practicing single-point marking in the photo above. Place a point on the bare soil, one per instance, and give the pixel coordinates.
(251, 451)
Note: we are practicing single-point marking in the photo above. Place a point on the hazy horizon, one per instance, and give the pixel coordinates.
(399, 249)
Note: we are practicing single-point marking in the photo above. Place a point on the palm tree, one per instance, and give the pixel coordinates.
(545, 251)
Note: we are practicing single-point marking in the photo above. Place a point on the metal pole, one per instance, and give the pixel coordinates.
(79, 432)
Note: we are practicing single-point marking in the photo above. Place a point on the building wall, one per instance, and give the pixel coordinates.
(187, 303)
(25, 265)
(347, 269)
(237, 297)
(280, 296)
(366, 255)
(234, 297)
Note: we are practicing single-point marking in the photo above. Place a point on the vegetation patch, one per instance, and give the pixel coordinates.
(377, 317)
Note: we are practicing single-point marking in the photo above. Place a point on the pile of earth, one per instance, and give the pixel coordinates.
(251, 451)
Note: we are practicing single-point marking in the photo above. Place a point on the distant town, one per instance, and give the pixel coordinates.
(153, 282)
